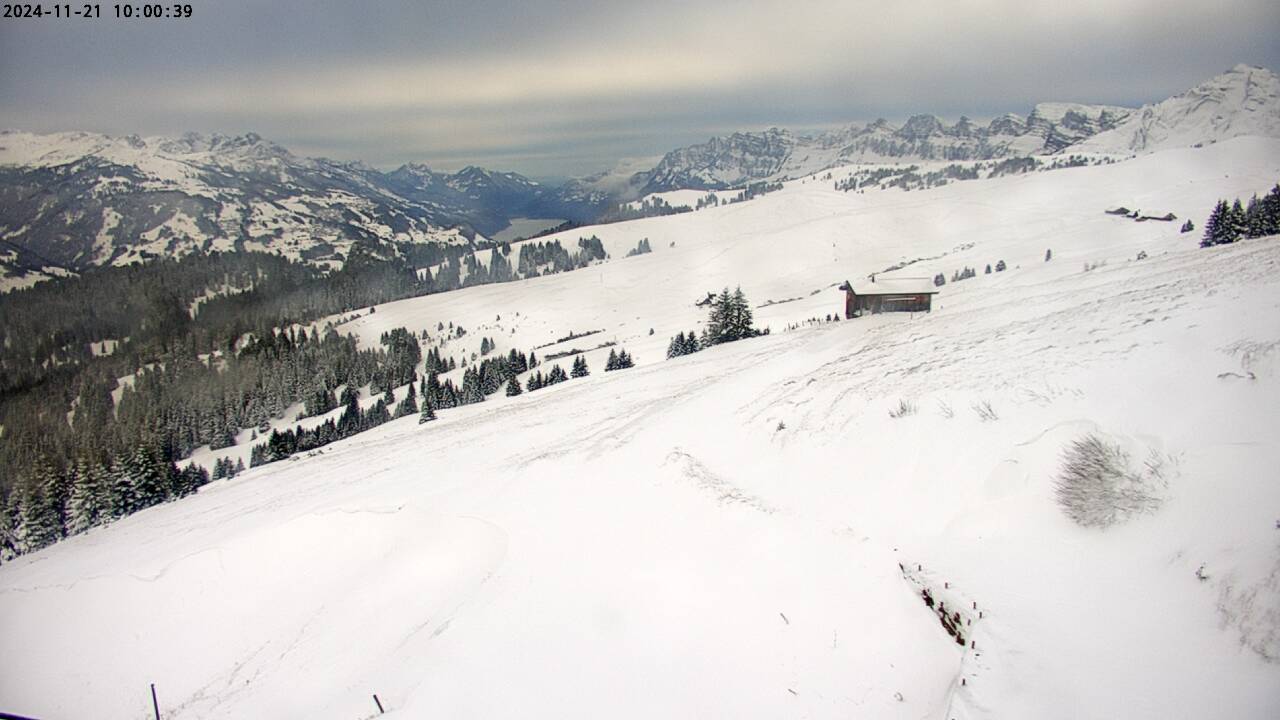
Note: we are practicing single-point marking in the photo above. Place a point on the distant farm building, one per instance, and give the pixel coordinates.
(888, 295)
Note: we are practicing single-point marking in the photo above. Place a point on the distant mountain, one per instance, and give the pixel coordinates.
(79, 200)
(1242, 101)
(775, 154)
(488, 200)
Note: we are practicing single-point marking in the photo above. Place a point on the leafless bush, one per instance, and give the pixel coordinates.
(905, 408)
(1097, 486)
(944, 409)
(986, 413)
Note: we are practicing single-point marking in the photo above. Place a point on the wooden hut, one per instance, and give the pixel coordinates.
(888, 295)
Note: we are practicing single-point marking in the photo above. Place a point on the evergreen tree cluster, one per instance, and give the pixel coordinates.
(542, 258)
(224, 468)
(649, 207)
(537, 381)
(51, 503)
(579, 367)
(618, 360)
(683, 344)
(402, 357)
(730, 319)
(1230, 223)
(756, 189)
(641, 247)
(965, 274)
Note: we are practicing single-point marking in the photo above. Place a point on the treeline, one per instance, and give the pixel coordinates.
(57, 503)
(425, 398)
(1229, 223)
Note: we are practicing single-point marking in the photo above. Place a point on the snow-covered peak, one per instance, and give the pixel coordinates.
(1242, 101)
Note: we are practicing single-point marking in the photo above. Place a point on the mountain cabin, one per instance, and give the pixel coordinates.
(888, 295)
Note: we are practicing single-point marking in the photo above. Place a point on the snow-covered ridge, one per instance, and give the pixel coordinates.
(1243, 101)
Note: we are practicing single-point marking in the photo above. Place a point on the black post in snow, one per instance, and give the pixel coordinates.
(379, 704)
(155, 704)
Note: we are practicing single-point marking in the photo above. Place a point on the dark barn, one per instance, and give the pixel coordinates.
(888, 295)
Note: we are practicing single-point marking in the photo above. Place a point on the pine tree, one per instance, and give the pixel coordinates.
(1000, 266)
(612, 362)
(1214, 227)
(190, 479)
(1271, 212)
(43, 506)
(691, 344)
(740, 317)
(580, 367)
(1188, 226)
(1048, 255)
(8, 551)
(715, 331)
(409, 405)
(1253, 219)
(377, 415)
(13, 542)
(1238, 227)
(557, 375)
(513, 386)
(676, 347)
(84, 507)
(472, 392)
(988, 269)
(428, 413)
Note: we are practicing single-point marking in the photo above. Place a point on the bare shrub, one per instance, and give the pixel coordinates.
(905, 408)
(986, 413)
(944, 409)
(1097, 486)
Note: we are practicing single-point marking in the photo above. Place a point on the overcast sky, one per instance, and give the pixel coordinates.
(560, 87)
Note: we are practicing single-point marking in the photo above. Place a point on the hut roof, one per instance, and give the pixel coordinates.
(894, 286)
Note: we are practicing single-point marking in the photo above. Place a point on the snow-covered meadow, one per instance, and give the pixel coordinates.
(747, 531)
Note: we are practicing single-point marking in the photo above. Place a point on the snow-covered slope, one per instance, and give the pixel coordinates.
(1243, 101)
(746, 532)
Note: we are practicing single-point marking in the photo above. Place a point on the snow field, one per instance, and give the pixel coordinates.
(721, 534)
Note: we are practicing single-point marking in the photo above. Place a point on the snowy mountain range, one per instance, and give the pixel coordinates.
(80, 199)
(75, 200)
(69, 201)
(776, 154)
